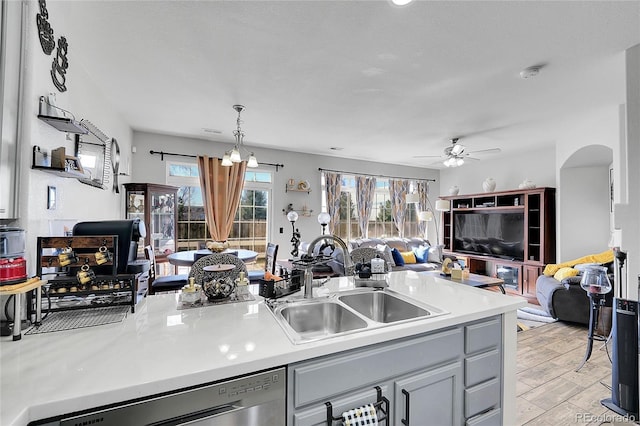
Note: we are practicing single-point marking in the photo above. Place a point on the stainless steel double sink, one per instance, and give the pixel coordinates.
(346, 312)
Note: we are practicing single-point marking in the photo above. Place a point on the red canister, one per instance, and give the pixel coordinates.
(13, 270)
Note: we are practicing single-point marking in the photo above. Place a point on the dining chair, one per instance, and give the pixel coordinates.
(197, 269)
(166, 283)
(271, 254)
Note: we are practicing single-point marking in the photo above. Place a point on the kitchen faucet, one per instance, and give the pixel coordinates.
(308, 273)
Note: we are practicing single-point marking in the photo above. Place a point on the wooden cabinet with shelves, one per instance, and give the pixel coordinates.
(155, 204)
(536, 211)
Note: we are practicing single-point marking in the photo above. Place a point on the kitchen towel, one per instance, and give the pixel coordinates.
(365, 415)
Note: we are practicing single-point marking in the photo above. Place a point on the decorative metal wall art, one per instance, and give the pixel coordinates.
(47, 41)
(45, 32)
(60, 64)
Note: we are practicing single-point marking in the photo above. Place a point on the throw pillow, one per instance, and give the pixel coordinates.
(397, 257)
(435, 254)
(565, 273)
(421, 253)
(408, 257)
(385, 251)
(582, 266)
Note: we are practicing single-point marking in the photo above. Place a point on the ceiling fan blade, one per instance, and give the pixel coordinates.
(427, 156)
(471, 158)
(485, 151)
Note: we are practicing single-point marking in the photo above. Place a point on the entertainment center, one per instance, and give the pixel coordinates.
(507, 234)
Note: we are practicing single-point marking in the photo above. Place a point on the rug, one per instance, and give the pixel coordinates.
(529, 317)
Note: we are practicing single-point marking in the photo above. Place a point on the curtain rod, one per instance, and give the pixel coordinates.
(369, 174)
(162, 154)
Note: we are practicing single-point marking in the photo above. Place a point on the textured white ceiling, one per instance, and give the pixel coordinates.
(384, 83)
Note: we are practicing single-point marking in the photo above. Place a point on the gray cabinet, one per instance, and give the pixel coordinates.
(451, 376)
(434, 394)
(12, 34)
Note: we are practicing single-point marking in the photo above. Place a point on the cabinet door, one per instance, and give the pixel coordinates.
(162, 221)
(530, 276)
(511, 274)
(432, 397)
(11, 35)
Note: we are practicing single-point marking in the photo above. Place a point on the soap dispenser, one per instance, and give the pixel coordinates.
(242, 287)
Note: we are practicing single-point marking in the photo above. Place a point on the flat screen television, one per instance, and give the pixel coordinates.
(496, 234)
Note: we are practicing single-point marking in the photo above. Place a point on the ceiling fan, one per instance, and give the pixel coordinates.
(456, 154)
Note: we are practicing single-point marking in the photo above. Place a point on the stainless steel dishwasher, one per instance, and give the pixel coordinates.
(257, 399)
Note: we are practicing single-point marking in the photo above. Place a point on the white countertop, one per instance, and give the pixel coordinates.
(160, 348)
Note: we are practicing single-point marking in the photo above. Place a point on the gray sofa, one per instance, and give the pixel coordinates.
(565, 300)
(386, 245)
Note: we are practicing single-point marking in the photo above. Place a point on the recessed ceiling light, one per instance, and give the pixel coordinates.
(216, 131)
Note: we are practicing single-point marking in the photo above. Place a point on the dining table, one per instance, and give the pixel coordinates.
(188, 257)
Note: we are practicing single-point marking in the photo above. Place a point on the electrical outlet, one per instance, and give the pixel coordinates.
(281, 230)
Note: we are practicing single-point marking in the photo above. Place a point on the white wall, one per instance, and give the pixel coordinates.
(584, 220)
(297, 166)
(76, 201)
(537, 165)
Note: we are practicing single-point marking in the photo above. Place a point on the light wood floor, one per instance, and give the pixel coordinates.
(549, 391)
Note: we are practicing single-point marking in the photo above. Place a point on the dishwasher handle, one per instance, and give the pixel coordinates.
(192, 418)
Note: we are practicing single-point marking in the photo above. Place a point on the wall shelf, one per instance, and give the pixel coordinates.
(301, 212)
(296, 188)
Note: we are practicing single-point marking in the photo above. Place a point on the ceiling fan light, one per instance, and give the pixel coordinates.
(253, 161)
(459, 161)
(447, 162)
(457, 149)
(226, 160)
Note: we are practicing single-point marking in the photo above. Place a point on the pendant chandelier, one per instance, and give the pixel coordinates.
(235, 155)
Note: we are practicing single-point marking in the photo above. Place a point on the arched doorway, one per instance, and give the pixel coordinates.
(585, 202)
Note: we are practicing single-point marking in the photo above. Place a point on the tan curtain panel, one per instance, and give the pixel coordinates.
(422, 188)
(221, 191)
(333, 188)
(398, 189)
(365, 190)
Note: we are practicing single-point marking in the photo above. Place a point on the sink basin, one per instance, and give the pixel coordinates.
(313, 321)
(383, 307)
(351, 311)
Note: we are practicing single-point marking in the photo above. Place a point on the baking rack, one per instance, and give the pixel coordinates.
(382, 404)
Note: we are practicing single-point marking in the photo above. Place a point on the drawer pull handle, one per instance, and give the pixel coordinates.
(405, 421)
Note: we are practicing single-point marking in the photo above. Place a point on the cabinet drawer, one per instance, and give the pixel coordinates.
(482, 367)
(481, 397)
(483, 335)
(317, 380)
(490, 418)
(316, 414)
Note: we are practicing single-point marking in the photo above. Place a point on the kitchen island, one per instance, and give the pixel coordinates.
(161, 348)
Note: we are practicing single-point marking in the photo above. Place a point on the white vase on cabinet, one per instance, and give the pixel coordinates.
(489, 185)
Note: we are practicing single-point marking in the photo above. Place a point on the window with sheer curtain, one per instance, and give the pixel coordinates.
(381, 218)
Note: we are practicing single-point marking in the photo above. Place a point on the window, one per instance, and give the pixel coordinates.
(250, 227)
(381, 219)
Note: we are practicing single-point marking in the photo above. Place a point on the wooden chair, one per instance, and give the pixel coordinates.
(197, 269)
(168, 283)
(270, 258)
